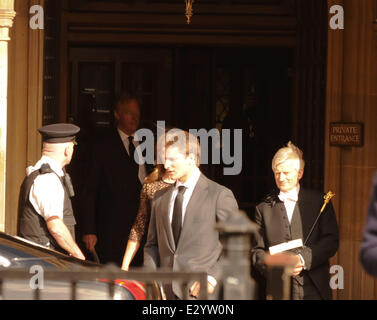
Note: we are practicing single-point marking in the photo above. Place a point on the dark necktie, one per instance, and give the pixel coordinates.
(131, 148)
(176, 222)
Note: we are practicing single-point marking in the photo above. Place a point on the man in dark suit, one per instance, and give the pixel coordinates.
(113, 187)
(182, 234)
(289, 215)
(368, 250)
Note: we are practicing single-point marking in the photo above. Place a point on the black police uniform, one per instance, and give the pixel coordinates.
(32, 226)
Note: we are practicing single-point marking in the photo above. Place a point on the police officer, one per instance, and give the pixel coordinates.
(45, 210)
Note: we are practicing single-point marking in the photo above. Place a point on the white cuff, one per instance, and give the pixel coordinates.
(302, 261)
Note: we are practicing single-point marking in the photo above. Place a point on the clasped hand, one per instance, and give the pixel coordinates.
(195, 289)
(298, 267)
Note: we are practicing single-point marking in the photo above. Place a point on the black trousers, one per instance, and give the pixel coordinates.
(304, 289)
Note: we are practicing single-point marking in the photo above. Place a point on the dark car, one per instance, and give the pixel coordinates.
(33, 261)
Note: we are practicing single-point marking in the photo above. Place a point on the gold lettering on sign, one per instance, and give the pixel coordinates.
(346, 134)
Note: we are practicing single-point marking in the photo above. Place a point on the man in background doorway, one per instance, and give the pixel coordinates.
(111, 196)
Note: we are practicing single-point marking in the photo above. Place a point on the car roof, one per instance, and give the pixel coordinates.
(24, 253)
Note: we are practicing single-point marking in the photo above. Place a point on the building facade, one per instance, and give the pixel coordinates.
(278, 69)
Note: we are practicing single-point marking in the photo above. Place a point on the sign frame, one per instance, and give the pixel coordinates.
(349, 133)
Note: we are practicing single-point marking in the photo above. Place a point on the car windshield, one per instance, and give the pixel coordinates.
(17, 253)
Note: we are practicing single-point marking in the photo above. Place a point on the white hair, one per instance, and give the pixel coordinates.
(286, 153)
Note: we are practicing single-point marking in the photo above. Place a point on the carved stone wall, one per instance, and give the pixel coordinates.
(6, 21)
(351, 97)
(25, 96)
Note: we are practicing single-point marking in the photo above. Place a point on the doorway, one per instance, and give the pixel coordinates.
(191, 88)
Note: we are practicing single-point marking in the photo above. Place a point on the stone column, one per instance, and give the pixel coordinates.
(352, 97)
(7, 15)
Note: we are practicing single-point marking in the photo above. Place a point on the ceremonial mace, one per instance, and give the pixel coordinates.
(327, 198)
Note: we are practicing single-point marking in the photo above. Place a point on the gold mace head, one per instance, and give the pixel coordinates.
(327, 198)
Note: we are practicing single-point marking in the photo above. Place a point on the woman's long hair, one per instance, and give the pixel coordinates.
(156, 174)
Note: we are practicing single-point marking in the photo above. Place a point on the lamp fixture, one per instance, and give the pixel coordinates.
(189, 10)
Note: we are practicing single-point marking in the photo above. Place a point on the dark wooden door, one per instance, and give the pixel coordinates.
(192, 88)
(97, 76)
(253, 92)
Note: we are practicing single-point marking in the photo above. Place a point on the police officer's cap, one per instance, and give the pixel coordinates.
(59, 132)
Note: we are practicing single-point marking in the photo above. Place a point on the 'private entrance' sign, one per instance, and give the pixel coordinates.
(346, 134)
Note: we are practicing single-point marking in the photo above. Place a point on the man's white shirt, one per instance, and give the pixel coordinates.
(290, 198)
(47, 192)
(190, 184)
(142, 171)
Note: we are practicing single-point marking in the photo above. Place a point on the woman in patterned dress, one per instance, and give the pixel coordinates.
(155, 181)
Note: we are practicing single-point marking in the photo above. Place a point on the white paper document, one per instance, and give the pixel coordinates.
(286, 246)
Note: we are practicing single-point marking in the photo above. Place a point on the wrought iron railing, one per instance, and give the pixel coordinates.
(110, 274)
(235, 283)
